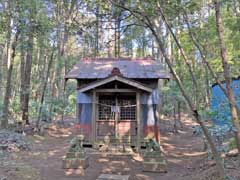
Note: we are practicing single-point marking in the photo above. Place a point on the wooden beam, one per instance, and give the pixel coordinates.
(138, 122)
(116, 90)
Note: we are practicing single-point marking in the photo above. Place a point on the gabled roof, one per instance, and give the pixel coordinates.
(129, 82)
(100, 68)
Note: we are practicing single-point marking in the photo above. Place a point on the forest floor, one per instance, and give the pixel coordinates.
(184, 153)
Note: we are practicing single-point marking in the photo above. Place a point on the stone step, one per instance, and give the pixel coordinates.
(113, 177)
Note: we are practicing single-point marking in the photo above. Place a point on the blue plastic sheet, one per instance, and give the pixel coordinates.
(219, 104)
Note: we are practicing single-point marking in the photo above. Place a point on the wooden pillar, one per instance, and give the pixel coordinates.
(116, 121)
(94, 117)
(138, 121)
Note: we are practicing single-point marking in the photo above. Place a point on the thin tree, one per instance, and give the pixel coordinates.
(144, 18)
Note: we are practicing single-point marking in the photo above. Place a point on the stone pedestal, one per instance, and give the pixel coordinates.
(76, 157)
(154, 162)
(75, 163)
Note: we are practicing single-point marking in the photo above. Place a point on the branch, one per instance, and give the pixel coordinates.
(181, 51)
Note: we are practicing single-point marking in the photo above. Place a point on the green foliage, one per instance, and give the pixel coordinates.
(171, 96)
(232, 143)
(66, 35)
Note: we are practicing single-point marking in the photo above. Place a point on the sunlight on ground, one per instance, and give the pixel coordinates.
(103, 160)
(36, 153)
(53, 152)
(168, 146)
(75, 172)
(194, 154)
(39, 137)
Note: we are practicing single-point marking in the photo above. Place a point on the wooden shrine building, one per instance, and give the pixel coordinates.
(118, 98)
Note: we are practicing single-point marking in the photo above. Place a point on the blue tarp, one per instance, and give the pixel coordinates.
(219, 104)
(85, 113)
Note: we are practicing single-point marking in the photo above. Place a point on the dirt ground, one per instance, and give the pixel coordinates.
(184, 153)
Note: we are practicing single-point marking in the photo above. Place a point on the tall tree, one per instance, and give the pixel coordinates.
(7, 96)
(227, 73)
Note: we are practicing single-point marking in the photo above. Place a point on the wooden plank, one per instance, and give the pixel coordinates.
(94, 117)
(138, 121)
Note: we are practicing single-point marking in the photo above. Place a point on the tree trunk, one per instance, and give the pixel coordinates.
(1, 71)
(236, 7)
(44, 88)
(207, 87)
(7, 96)
(27, 80)
(22, 78)
(175, 125)
(227, 73)
(179, 113)
(169, 45)
(97, 34)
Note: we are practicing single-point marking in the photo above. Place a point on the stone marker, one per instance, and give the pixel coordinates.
(76, 157)
(153, 160)
(113, 177)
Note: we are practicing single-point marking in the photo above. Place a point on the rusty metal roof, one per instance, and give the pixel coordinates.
(99, 68)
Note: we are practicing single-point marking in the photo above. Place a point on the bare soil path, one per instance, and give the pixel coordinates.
(183, 152)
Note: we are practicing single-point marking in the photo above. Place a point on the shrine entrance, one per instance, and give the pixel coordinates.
(117, 117)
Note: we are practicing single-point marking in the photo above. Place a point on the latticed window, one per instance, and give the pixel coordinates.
(126, 107)
(105, 110)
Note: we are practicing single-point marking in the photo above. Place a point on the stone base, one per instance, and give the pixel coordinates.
(154, 162)
(75, 163)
